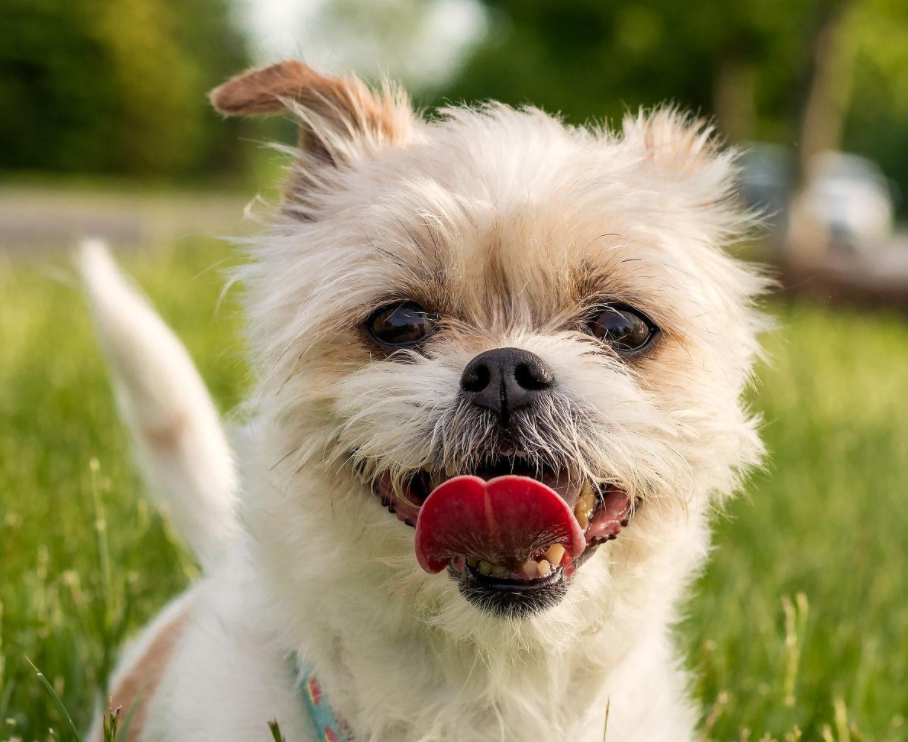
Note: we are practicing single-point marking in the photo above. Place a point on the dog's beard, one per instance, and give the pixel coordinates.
(554, 438)
(401, 418)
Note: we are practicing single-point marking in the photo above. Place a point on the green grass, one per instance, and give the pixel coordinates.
(84, 560)
(800, 623)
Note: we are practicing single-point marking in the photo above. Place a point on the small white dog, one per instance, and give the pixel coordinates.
(499, 364)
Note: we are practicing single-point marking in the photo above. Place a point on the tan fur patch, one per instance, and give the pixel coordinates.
(138, 686)
(166, 438)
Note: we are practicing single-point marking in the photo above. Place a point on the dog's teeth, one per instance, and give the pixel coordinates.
(544, 568)
(498, 570)
(450, 470)
(485, 568)
(531, 568)
(584, 506)
(555, 554)
(473, 561)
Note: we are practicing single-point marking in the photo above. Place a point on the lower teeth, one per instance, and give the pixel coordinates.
(531, 569)
(555, 554)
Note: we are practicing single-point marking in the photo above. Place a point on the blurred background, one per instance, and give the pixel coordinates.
(108, 98)
(798, 630)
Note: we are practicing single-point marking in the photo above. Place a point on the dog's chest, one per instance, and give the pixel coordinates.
(469, 712)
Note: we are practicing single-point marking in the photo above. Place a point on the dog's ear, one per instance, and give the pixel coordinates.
(682, 154)
(341, 118)
(675, 144)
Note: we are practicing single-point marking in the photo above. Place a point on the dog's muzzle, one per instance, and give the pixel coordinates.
(512, 531)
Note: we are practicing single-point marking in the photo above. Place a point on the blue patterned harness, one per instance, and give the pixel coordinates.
(328, 726)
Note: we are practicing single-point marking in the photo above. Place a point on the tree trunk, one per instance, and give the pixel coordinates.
(822, 107)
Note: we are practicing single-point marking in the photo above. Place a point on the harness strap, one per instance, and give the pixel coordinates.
(328, 726)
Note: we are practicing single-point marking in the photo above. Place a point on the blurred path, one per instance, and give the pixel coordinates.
(876, 278)
(42, 221)
(36, 221)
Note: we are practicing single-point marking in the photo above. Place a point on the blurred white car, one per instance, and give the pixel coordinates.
(846, 194)
(850, 196)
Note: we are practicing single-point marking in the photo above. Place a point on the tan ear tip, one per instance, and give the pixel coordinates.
(260, 90)
(240, 96)
(218, 99)
(234, 97)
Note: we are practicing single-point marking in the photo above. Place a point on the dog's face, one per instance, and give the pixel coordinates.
(501, 360)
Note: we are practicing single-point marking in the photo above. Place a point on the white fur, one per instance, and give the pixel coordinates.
(487, 214)
(179, 442)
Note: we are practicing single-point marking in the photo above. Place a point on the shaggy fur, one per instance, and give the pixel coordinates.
(510, 225)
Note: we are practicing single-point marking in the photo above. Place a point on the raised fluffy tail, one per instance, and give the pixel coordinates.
(180, 443)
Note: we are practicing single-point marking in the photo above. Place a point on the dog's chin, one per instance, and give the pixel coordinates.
(508, 596)
(536, 581)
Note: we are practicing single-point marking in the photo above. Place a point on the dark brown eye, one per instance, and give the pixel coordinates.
(401, 324)
(625, 329)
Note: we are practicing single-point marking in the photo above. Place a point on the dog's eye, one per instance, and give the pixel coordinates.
(625, 329)
(400, 324)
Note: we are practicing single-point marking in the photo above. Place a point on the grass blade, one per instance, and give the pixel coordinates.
(57, 702)
(276, 731)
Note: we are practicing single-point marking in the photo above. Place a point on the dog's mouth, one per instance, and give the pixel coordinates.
(511, 533)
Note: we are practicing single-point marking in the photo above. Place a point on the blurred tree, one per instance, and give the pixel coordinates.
(114, 86)
(825, 93)
(817, 73)
(876, 123)
(588, 58)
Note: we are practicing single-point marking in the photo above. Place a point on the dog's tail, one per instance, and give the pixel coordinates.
(180, 443)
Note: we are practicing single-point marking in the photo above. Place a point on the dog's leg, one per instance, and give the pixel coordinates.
(134, 684)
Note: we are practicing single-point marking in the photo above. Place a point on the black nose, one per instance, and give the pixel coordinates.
(505, 379)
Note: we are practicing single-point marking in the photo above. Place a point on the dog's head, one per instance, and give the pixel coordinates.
(500, 359)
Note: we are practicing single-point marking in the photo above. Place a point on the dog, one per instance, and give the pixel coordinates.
(499, 365)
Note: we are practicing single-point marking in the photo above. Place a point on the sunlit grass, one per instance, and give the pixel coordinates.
(83, 559)
(802, 618)
(799, 627)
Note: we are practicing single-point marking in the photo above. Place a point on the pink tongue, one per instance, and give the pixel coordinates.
(503, 521)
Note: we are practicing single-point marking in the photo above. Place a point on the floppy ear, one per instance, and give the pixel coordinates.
(341, 119)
